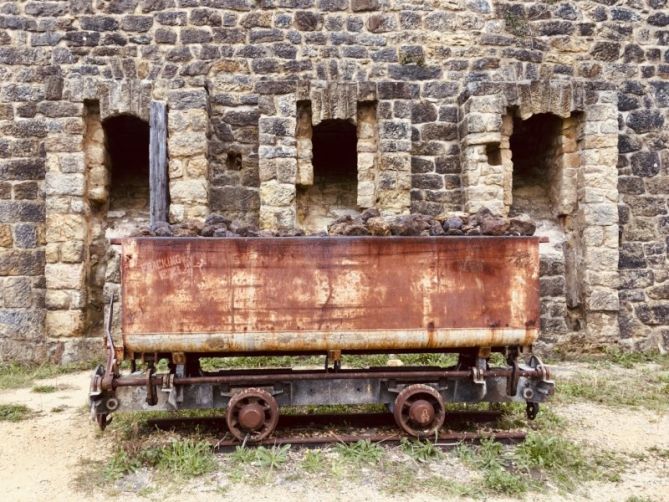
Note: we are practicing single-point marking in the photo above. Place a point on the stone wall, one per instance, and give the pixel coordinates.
(432, 87)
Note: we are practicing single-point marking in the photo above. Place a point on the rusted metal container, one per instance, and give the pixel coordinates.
(251, 295)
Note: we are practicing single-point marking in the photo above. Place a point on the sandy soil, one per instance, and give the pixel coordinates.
(44, 457)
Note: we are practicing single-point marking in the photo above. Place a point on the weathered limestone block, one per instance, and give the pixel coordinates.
(65, 227)
(6, 240)
(65, 323)
(277, 194)
(64, 275)
(188, 190)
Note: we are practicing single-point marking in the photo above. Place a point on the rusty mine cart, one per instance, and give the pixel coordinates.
(188, 298)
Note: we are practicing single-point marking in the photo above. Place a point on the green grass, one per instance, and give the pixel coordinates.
(267, 458)
(611, 356)
(15, 375)
(350, 361)
(44, 389)
(181, 458)
(633, 392)
(420, 451)
(14, 412)
(360, 452)
(313, 461)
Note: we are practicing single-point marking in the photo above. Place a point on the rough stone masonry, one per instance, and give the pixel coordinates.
(289, 114)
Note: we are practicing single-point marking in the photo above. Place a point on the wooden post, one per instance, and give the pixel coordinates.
(158, 202)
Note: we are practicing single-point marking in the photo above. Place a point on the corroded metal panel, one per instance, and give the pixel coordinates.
(356, 293)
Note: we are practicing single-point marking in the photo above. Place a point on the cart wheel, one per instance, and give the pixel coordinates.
(419, 410)
(252, 415)
(532, 410)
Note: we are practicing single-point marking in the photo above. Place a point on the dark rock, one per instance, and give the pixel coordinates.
(453, 223)
(413, 224)
(494, 225)
(414, 72)
(606, 51)
(642, 121)
(378, 226)
(364, 5)
(140, 24)
(98, 23)
(631, 255)
(371, 212)
(659, 19)
(553, 28)
(661, 91)
(25, 236)
(216, 219)
(521, 226)
(471, 231)
(645, 164)
(436, 229)
(457, 231)
(308, 21)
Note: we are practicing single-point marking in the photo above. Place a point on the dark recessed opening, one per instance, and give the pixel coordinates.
(127, 141)
(494, 154)
(335, 156)
(534, 148)
(532, 140)
(233, 161)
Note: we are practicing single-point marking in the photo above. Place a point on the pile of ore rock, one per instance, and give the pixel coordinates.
(370, 222)
(484, 222)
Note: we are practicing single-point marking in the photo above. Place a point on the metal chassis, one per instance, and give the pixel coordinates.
(186, 387)
(147, 391)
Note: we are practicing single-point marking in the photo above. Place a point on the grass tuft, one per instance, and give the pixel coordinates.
(361, 452)
(420, 451)
(44, 389)
(268, 458)
(14, 412)
(184, 458)
(313, 461)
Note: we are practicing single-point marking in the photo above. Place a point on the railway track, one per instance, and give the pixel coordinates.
(322, 429)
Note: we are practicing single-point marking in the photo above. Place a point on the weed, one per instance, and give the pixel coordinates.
(313, 461)
(58, 409)
(420, 451)
(636, 498)
(44, 389)
(14, 412)
(243, 455)
(271, 458)
(499, 480)
(361, 452)
(186, 458)
(120, 464)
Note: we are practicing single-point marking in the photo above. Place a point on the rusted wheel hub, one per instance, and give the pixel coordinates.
(419, 410)
(252, 414)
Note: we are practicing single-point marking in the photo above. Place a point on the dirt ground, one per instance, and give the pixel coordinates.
(45, 457)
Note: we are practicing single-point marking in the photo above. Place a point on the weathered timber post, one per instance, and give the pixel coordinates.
(158, 202)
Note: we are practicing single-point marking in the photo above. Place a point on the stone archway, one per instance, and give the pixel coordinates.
(582, 190)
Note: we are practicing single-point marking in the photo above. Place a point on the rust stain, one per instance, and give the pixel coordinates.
(298, 288)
